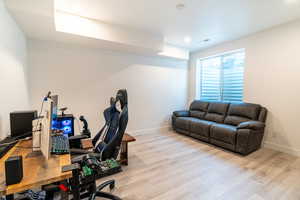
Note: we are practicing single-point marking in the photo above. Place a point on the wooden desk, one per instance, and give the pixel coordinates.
(124, 148)
(36, 170)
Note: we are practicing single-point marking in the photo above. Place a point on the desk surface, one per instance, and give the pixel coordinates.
(36, 170)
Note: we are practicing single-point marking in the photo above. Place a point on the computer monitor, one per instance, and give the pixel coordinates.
(46, 128)
(64, 123)
(21, 123)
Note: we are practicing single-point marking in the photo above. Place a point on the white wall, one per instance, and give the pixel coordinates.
(272, 79)
(85, 79)
(13, 82)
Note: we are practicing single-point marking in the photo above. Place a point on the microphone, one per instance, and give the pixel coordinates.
(47, 96)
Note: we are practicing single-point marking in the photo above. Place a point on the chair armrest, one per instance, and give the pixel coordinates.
(80, 151)
(253, 125)
(78, 137)
(182, 113)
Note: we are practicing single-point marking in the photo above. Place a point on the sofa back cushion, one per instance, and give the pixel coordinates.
(216, 112)
(242, 112)
(198, 109)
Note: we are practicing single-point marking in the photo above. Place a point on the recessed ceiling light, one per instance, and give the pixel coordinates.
(180, 6)
(205, 40)
(187, 39)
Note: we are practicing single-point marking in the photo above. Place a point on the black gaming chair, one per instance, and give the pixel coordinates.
(113, 130)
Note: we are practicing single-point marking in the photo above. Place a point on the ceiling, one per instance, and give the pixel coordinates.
(217, 20)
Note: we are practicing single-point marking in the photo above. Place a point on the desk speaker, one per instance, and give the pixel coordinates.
(13, 170)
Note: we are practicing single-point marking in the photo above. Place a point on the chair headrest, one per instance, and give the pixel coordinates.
(122, 97)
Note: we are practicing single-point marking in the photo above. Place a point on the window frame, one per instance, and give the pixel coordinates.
(221, 55)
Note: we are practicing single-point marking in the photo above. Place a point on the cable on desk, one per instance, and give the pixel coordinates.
(13, 142)
(27, 147)
(18, 140)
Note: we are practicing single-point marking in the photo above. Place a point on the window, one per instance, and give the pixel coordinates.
(222, 77)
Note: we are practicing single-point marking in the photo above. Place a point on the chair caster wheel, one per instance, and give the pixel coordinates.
(112, 186)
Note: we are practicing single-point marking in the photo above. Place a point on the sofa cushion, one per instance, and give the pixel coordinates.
(183, 123)
(216, 112)
(197, 114)
(199, 105)
(223, 132)
(235, 120)
(201, 127)
(247, 110)
(198, 109)
(242, 112)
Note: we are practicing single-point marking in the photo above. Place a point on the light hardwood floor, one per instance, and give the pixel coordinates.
(170, 166)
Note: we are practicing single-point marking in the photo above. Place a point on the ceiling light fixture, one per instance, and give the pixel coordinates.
(187, 40)
(180, 6)
(204, 41)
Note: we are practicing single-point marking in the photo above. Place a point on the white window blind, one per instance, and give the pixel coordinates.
(222, 77)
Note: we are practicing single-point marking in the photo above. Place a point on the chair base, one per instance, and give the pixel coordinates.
(104, 195)
(98, 193)
(111, 184)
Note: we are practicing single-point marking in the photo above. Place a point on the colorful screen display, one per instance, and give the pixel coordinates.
(64, 123)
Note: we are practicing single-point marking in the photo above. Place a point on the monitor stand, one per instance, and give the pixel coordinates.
(34, 154)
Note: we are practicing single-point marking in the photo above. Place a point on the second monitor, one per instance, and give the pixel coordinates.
(64, 123)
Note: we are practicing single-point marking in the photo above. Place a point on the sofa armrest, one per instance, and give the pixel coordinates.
(248, 140)
(182, 113)
(253, 125)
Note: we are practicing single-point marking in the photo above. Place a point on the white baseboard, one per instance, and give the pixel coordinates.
(282, 148)
(149, 130)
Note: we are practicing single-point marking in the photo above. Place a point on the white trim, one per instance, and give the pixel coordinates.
(222, 54)
(198, 80)
(282, 148)
(199, 64)
(149, 130)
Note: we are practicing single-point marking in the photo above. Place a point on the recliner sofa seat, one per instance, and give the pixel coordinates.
(235, 126)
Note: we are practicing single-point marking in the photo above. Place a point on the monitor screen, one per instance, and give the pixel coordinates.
(64, 123)
(21, 123)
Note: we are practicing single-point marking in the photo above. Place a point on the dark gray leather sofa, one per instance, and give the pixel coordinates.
(238, 127)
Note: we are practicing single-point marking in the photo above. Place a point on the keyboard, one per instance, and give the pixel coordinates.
(6, 148)
(60, 145)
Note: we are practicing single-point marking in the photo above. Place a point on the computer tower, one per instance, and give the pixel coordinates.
(21, 123)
